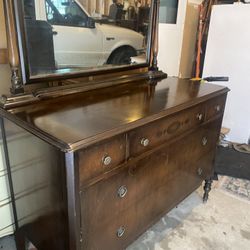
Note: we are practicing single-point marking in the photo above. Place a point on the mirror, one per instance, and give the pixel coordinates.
(66, 37)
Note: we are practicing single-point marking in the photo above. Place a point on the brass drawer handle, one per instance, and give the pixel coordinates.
(199, 117)
(106, 160)
(120, 232)
(122, 191)
(204, 141)
(200, 171)
(145, 142)
(218, 108)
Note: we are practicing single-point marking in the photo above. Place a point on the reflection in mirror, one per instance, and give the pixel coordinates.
(168, 11)
(66, 36)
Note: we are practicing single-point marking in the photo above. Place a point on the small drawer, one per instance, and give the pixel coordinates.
(155, 133)
(215, 107)
(101, 158)
(197, 144)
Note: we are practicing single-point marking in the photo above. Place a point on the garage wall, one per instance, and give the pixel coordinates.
(177, 41)
(189, 40)
(228, 55)
(170, 42)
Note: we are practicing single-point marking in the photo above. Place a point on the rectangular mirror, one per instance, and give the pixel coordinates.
(66, 38)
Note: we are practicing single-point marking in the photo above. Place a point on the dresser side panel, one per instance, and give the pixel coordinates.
(38, 178)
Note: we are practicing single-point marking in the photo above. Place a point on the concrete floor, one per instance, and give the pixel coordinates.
(221, 224)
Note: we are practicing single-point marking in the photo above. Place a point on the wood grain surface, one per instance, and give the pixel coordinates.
(98, 114)
(3, 56)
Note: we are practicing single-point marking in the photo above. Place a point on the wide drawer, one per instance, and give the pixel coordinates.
(101, 157)
(115, 234)
(157, 132)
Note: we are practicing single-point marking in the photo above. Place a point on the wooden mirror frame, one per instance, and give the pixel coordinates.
(18, 63)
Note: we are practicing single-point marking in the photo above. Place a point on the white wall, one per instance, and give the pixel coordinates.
(170, 42)
(189, 40)
(228, 54)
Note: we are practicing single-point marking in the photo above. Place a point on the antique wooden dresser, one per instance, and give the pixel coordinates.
(97, 154)
(106, 165)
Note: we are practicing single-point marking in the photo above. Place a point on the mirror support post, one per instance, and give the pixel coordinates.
(13, 55)
(156, 36)
(154, 71)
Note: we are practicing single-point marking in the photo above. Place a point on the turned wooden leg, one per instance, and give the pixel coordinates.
(207, 189)
(20, 241)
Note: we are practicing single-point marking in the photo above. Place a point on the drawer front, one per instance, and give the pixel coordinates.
(215, 107)
(121, 191)
(117, 204)
(177, 168)
(108, 198)
(137, 196)
(197, 144)
(149, 136)
(115, 234)
(101, 158)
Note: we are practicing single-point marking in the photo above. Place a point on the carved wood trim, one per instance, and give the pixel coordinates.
(3, 56)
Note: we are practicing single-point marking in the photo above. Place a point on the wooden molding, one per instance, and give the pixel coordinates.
(3, 56)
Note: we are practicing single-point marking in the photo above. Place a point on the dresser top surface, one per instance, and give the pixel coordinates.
(83, 118)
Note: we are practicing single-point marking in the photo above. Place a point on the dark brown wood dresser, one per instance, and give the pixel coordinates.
(101, 167)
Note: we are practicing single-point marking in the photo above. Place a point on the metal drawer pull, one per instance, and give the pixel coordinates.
(204, 141)
(145, 142)
(218, 108)
(200, 171)
(120, 232)
(200, 117)
(107, 160)
(122, 191)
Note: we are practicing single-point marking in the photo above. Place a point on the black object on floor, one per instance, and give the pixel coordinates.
(232, 163)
